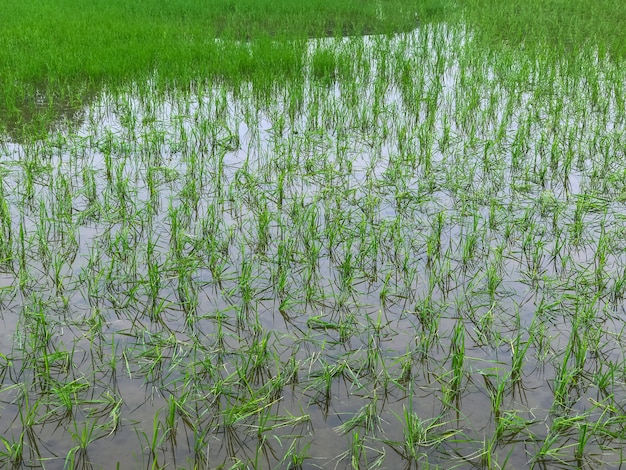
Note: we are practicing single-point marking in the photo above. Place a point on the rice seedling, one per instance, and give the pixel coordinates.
(366, 418)
(78, 457)
(419, 435)
(295, 456)
(230, 235)
(357, 454)
(13, 453)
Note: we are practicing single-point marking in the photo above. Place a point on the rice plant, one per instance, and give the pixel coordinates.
(278, 235)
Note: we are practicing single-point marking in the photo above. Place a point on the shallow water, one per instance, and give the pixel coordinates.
(228, 276)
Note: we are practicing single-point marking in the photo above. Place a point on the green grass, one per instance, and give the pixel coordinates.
(567, 26)
(294, 249)
(56, 54)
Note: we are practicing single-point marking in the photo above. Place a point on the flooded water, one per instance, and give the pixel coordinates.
(414, 255)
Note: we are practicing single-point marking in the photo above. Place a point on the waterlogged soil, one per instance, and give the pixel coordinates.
(414, 255)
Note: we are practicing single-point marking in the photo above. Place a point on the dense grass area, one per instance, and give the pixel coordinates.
(62, 49)
(57, 54)
(116, 40)
(564, 25)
